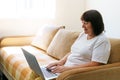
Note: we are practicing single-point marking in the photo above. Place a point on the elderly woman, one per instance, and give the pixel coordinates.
(92, 47)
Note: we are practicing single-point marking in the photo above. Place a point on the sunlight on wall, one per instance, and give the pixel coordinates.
(44, 9)
(66, 12)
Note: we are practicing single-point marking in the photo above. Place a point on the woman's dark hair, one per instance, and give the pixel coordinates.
(96, 20)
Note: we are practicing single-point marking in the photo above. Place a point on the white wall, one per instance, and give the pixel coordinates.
(13, 27)
(110, 12)
(68, 13)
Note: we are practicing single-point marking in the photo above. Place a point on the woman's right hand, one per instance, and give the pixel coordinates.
(53, 64)
(58, 63)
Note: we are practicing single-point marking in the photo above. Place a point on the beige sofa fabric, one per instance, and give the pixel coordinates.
(115, 51)
(44, 36)
(16, 41)
(16, 65)
(61, 43)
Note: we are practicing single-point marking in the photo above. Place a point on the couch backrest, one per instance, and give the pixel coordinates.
(115, 51)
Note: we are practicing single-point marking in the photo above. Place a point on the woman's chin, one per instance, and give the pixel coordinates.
(85, 32)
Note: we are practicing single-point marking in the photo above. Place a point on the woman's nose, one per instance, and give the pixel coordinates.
(83, 26)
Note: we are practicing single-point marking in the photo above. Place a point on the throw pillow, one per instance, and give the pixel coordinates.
(44, 36)
(61, 43)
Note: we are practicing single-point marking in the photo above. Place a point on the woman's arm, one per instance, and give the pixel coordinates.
(58, 63)
(63, 60)
(90, 64)
(59, 69)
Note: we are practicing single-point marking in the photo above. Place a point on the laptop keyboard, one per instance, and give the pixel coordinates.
(47, 73)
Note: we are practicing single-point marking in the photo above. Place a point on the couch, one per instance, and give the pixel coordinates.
(51, 43)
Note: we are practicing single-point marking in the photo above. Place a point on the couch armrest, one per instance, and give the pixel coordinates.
(103, 72)
(16, 41)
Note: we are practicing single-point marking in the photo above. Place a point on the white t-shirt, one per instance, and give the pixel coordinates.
(83, 51)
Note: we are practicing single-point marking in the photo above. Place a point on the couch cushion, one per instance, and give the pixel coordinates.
(61, 43)
(14, 62)
(115, 51)
(16, 41)
(44, 36)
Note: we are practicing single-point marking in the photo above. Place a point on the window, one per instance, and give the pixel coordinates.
(27, 8)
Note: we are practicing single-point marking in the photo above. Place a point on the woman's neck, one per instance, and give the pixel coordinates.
(90, 36)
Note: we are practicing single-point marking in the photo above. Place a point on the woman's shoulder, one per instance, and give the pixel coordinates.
(102, 38)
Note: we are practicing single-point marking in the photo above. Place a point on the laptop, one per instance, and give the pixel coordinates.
(42, 71)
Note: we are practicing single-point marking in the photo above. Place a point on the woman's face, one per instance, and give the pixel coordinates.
(87, 26)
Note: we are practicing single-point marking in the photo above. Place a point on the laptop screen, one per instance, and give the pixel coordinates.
(32, 61)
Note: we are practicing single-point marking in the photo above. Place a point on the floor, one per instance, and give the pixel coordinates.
(2, 76)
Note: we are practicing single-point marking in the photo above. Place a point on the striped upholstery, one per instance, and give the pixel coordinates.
(14, 62)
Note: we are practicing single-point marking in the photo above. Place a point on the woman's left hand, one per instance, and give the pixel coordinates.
(59, 69)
